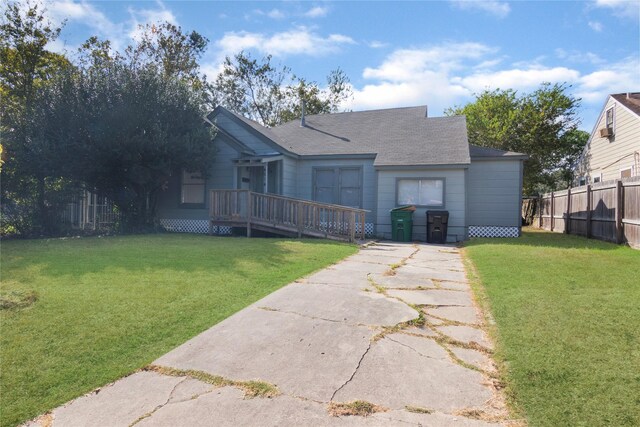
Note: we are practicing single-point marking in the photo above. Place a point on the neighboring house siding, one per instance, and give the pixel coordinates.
(220, 177)
(289, 177)
(494, 193)
(241, 133)
(454, 199)
(305, 180)
(605, 157)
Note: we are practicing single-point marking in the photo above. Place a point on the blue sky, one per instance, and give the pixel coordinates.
(397, 54)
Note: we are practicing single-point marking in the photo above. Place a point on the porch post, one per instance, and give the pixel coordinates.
(266, 177)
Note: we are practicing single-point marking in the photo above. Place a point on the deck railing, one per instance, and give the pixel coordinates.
(297, 216)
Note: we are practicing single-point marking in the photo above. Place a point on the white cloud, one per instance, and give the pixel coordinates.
(316, 12)
(596, 26)
(624, 8)
(273, 13)
(141, 17)
(496, 8)
(449, 74)
(119, 33)
(375, 44)
(579, 57)
(298, 41)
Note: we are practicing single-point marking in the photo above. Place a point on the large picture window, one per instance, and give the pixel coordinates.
(421, 192)
(193, 186)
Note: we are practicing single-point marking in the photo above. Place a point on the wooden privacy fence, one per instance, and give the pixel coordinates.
(605, 211)
(285, 215)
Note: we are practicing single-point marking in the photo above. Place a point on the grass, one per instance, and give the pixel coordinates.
(567, 313)
(79, 313)
(360, 408)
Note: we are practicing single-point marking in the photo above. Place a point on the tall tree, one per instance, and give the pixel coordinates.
(272, 95)
(25, 66)
(542, 124)
(126, 131)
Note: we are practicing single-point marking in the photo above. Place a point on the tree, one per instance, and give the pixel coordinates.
(542, 124)
(271, 95)
(165, 45)
(25, 67)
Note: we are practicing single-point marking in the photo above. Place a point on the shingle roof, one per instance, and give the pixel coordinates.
(397, 136)
(629, 100)
(477, 151)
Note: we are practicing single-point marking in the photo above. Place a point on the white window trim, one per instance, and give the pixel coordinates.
(613, 118)
(182, 185)
(427, 178)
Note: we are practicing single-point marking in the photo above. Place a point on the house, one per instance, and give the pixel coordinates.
(374, 160)
(613, 149)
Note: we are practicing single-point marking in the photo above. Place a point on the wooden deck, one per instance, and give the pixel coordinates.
(285, 215)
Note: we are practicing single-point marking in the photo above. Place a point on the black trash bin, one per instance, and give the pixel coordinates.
(437, 226)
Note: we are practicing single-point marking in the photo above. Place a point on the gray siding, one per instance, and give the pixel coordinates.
(494, 192)
(221, 176)
(289, 177)
(304, 187)
(454, 199)
(242, 134)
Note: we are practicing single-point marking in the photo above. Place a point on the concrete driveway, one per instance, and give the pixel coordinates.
(393, 326)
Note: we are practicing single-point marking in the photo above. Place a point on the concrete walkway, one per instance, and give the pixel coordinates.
(393, 325)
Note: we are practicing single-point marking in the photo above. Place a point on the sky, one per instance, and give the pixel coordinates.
(397, 54)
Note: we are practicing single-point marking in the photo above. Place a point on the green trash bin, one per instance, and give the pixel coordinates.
(402, 223)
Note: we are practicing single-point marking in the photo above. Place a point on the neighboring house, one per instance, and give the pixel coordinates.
(374, 160)
(613, 150)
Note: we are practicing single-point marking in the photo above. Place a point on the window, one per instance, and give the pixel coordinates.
(340, 186)
(583, 180)
(421, 192)
(597, 177)
(193, 186)
(625, 173)
(609, 118)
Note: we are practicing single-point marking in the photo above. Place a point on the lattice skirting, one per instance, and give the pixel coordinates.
(199, 226)
(493, 231)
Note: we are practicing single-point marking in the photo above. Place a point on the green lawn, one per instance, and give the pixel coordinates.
(107, 306)
(567, 313)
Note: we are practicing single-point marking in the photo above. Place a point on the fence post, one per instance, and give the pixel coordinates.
(352, 226)
(619, 211)
(588, 220)
(540, 198)
(567, 220)
(553, 211)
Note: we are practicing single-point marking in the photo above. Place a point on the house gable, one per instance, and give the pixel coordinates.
(249, 134)
(605, 158)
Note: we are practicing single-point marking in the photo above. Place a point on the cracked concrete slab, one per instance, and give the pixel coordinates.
(466, 334)
(393, 281)
(358, 267)
(394, 375)
(347, 305)
(408, 272)
(302, 356)
(432, 297)
(403, 417)
(338, 278)
(386, 259)
(120, 403)
(227, 407)
(314, 340)
(457, 314)
(475, 358)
